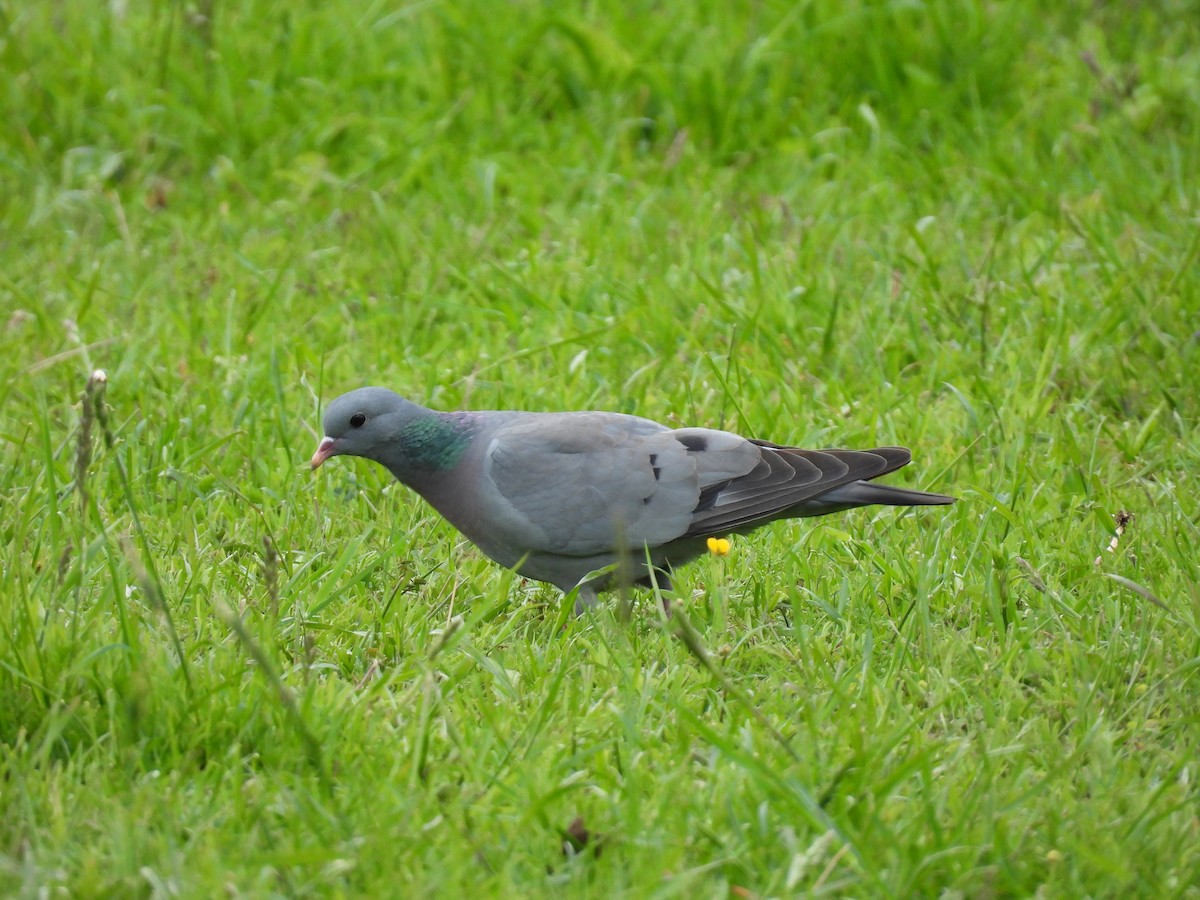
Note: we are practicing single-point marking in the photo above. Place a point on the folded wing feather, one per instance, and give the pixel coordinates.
(588, 483)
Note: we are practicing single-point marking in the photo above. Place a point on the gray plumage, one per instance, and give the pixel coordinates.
(557, 496)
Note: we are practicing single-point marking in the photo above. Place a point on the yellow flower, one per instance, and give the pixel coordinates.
(718, 546)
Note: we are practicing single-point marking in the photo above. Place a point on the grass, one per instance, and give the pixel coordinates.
(967, 228)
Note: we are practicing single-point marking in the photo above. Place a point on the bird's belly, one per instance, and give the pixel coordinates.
(607, 570)
(515, 545)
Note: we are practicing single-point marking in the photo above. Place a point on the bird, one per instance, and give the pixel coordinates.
(594, 500)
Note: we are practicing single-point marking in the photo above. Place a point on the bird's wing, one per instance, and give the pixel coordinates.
(581, 484)
(788, 482)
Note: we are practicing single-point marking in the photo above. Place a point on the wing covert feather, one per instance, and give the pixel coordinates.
(588, 483)
(579, 484)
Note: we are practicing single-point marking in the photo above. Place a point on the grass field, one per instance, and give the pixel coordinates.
(969, 228)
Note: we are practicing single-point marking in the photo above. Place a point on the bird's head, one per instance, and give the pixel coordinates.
(361, 422)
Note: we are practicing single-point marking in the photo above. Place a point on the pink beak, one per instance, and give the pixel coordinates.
(325, 449)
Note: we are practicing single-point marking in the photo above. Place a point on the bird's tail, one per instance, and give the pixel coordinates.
(867, 493)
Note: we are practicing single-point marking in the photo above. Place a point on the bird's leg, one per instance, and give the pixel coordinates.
(660, 580)
(585, 599)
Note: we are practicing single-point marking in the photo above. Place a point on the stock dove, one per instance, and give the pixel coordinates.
(560, 497)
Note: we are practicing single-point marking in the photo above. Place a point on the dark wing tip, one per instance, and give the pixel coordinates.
(896, 457)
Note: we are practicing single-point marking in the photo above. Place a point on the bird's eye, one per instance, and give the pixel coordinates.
(358, 420)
